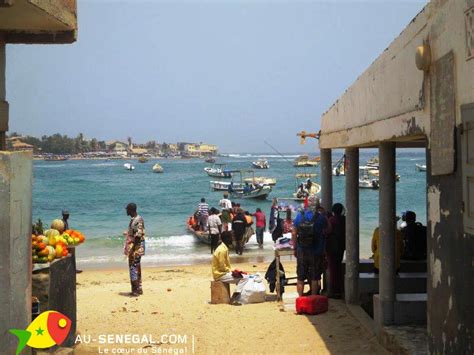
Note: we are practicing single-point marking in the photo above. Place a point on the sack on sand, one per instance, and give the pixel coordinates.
(252, 290)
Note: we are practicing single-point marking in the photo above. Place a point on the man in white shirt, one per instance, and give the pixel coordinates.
(215, 228)
(225, 202)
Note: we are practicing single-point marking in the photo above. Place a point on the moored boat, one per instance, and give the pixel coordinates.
(420, 167)
(261, 180)
(304, 160)
(367, 183)
(157, 168)
(339, 168)
(259, 193)
(203, 237)
(128, 166)
(218, 170)
(142, 160)
(210, 160)
(261, 164)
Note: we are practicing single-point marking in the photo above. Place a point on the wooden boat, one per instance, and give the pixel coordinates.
(128, 166)
(218, 170)
(210, 160)
(259, 193)
(420, 167)
(203, 237)
(56, 158)
(306, 175)
(304, 160)
(315, 189)
(367, 183)
(157, 168)
(261, 164)
(142, 160)
(260, 180)
(373, 171)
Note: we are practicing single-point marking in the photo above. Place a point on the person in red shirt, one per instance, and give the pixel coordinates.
(260, 224)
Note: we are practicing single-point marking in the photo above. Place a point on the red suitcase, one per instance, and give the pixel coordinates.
(311, 304)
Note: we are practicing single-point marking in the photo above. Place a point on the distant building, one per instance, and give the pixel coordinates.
(197, 149)
(16, 144)
(138, 151)
(117, 147)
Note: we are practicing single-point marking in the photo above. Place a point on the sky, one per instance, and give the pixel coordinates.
(233, 73)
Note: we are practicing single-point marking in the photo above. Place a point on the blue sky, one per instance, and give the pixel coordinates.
(234, 73)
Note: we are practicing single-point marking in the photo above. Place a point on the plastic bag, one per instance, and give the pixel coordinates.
(252, 289)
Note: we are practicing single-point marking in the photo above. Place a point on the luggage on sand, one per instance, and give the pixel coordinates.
(314, 304)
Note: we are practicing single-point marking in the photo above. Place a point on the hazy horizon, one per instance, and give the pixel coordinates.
(234, 74)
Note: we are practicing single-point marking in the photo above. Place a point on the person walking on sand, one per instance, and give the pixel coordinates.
(215, 228)
(135, 248)
(260, 224)
(239, 224)
(203, 214)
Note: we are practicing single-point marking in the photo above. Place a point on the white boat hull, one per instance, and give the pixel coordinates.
(420, 167)
(369, 184)
(259, 193)
(128, 166)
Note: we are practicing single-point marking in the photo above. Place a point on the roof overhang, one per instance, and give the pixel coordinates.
(38, 21)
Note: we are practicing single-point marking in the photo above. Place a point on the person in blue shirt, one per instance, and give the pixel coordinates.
(309, 256)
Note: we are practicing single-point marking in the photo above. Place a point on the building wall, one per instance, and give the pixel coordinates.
(450, 269)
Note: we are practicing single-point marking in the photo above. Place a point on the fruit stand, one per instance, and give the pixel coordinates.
(54, 271)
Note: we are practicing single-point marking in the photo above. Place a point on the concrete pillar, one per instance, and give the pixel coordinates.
(351, 280)
(326, 179)
(3, 102)
(16, 172)
(387, 206)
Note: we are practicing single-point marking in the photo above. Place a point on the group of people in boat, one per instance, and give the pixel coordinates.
(230, 219)
(304, 189)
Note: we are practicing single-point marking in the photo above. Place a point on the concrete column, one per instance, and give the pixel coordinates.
(351, 280)
(3, 102)
(326, 179)
(16, 176)
(387, 206)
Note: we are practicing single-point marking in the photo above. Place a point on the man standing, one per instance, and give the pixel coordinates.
(135, 248)
(239, 224)
(260, 224)
(65, 214)
(215, 228)
(307, 236)
(203, 214)
(226, 206)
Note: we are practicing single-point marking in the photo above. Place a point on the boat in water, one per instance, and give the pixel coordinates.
(301, 195)
(210, 160)
(261, 180)
(203, 237)
(261, 164)
(306, 175)
(219, 171)
(260, 193)
(157, 168)
(373, 171)
(305, 160)
(367, 183)
(128, 166)
(142, 160)
(420, 167)
(56, 158)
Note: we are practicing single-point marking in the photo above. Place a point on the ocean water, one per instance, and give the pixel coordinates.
(96, 193)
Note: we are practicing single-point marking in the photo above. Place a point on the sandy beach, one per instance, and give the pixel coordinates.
(175, 308)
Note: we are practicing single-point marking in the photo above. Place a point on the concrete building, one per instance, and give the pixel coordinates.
(418, 93)
(117, 147)
(31, 22)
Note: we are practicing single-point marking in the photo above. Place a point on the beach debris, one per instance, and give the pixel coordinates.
(124, 309)
(168, 289)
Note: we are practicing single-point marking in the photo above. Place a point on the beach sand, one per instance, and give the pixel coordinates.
(176, 301)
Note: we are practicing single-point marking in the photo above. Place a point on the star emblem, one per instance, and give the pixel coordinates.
(39, 331)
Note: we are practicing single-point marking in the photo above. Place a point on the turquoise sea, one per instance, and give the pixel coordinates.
(96, 192)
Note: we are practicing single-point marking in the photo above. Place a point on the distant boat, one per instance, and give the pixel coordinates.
(306, 175)
(302, 195)
(128, 166)
(157, 168)
(420, 167)
(55, 158)
(261, 164)
(304, 160)
(203, 237)
(210, 160)
(374, 161)
(218, 170)
(366, 183)
(261, 180)
(142, 160)
(260, 193)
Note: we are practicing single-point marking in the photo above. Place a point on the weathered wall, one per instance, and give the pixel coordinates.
(450, 269)
(391, 98)
(16, 174)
